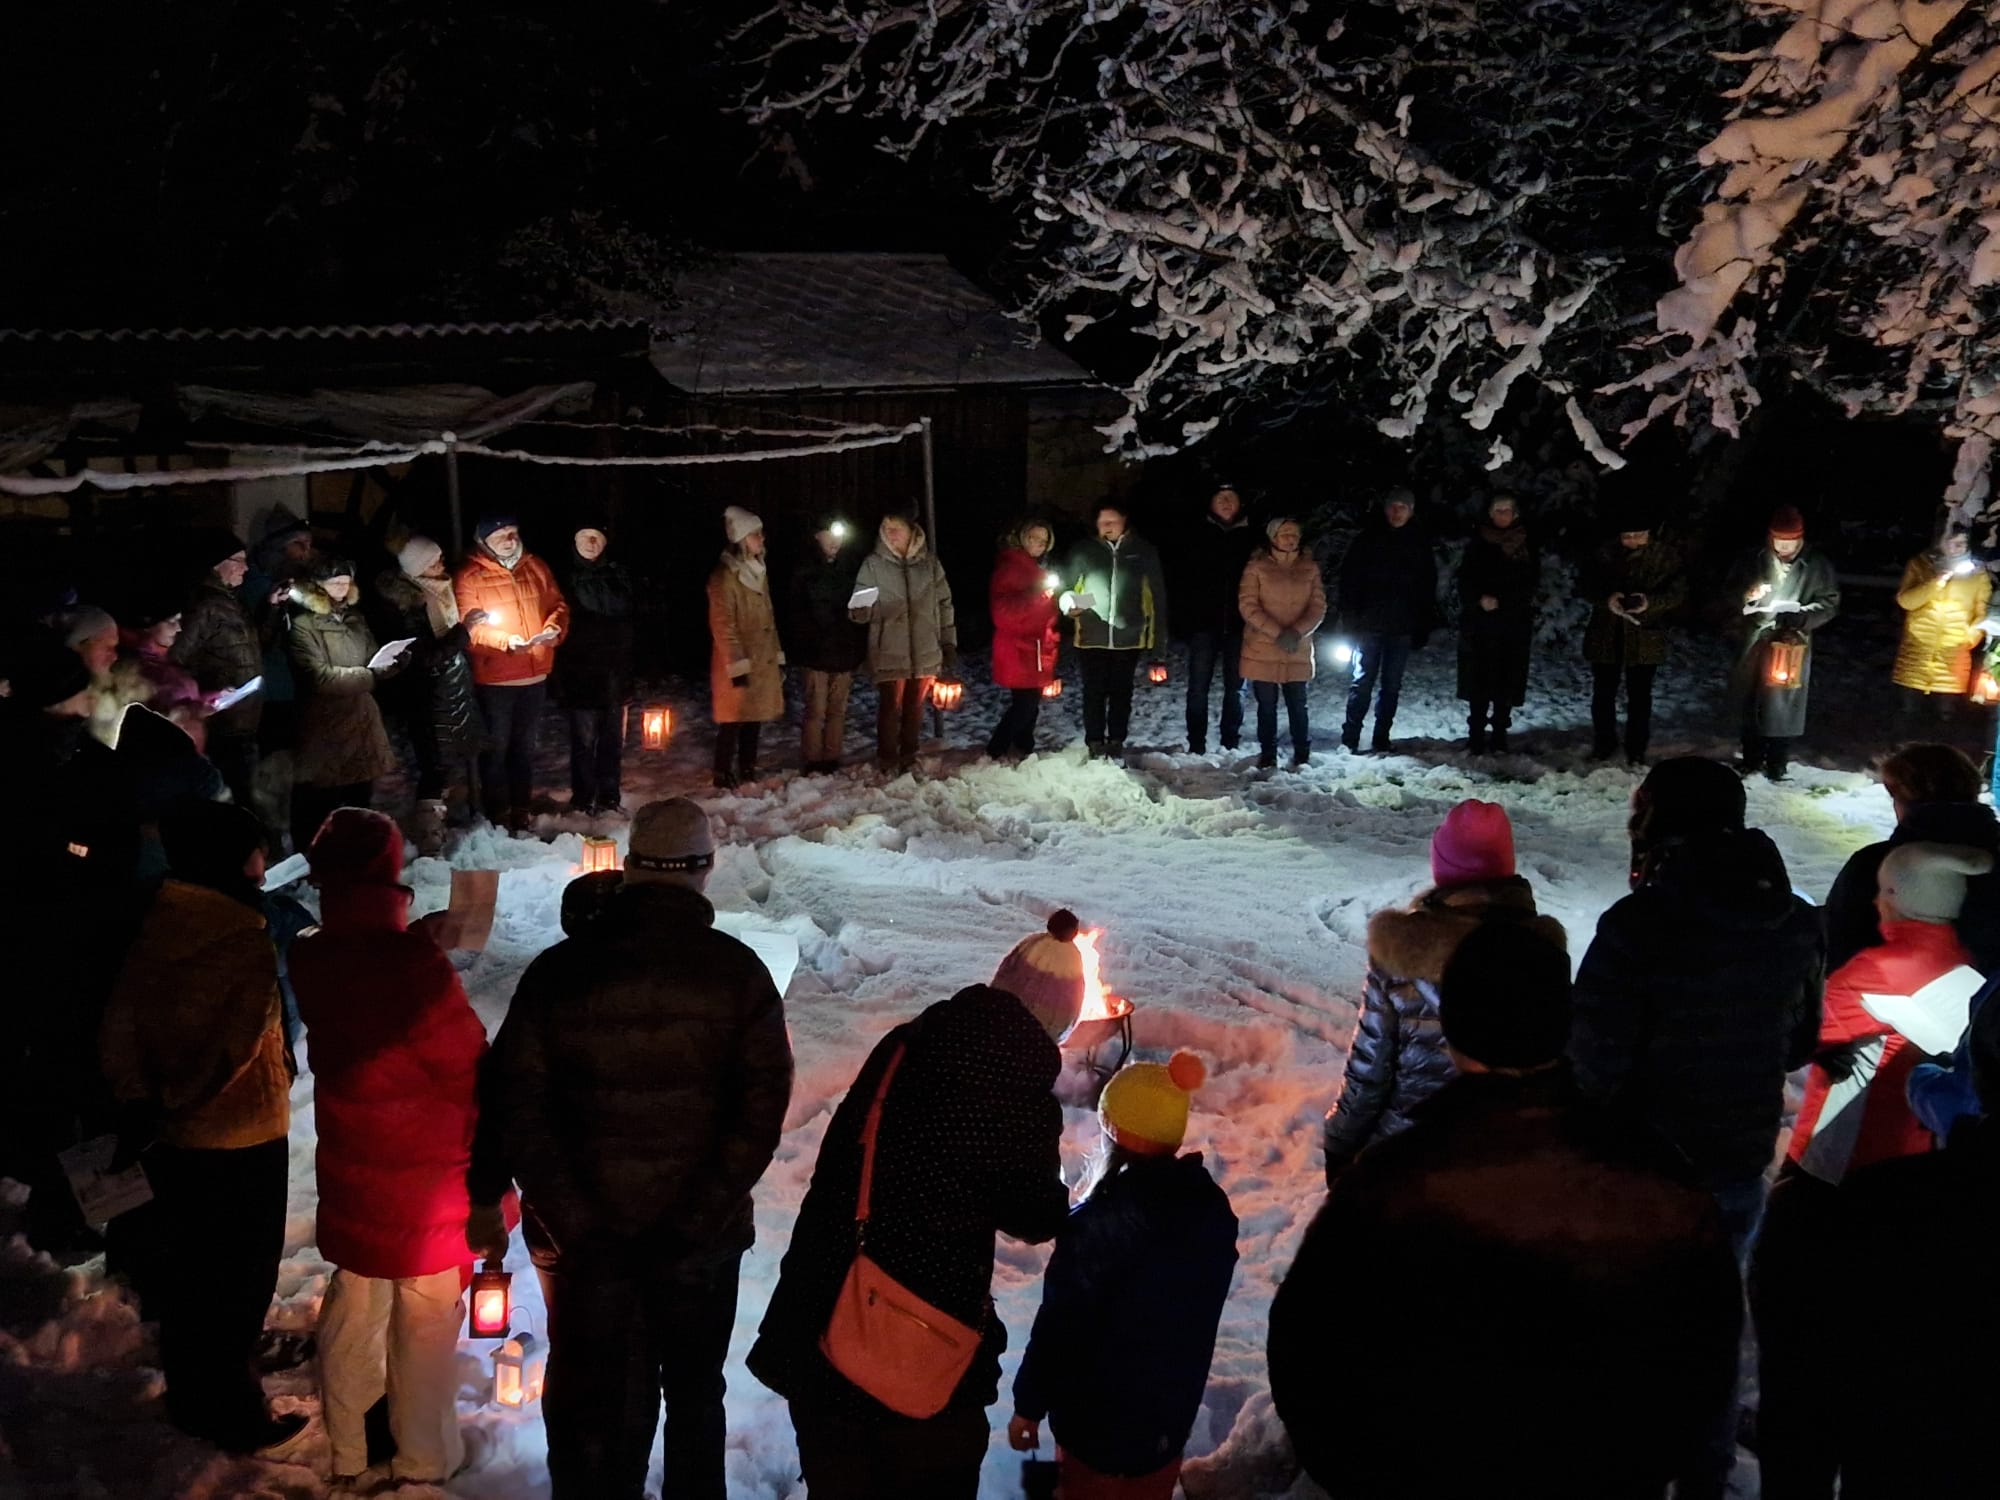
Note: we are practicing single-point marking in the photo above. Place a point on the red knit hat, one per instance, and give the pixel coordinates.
(355, 846)
(1475, 842)
(1787, 525)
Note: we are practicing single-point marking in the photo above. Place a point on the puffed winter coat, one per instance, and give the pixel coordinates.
(1653, 570)
(1025, 635)
(1852, 922)
(1398, 1059)
(436, 684)
(1809, 581)
(522, 600)
(594, 667)
(194, 1024)
(1388, 582)
(341, 738)
(913, 627)
(223, 649)
(395, 1058)
(1207, 587)
(1128, 591)
(970, 1145)
(1941, 620)
(743, 642)
(1274, 596)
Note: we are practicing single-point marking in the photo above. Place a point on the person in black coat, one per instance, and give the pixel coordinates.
(1206, 597)
(969, 1145)
(594, 669)
(637, 1090)
(1935, 792)
(1574, 1309)
(1388, 605)
(1497, 579)
(827, 645)
(433, 696)
(1118, 1360)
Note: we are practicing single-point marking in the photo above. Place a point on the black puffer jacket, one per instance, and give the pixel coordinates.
(970, 1144)
(1211, 575)
(640, 1083)
(220, 646)
(437, 683)
(1851, 923)
(1388, 582)
(1700, 992)
(1398, 1059)
(1128, 594)
(824, 638)
(594, 666)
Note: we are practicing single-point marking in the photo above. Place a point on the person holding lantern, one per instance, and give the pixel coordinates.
(1025, 638)
(1115, 595)
(1282, 601)
(829, 644)
(523, 619)
(1497, 579)
(746, 662)
(343, 746)
(1789, 590)
(638, 1088)
(395, 1054)
(1636, 586)
(594, 668)
(1118, 1359)
(1208, 593)
(912, 635)
(1944, 595)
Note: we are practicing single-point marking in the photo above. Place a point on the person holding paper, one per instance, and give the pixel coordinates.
(224, 650)
(1789, 590)
(342, 744)
(525, 618)
(1114, 593)
(912, 634)
(1026, 641)
(1855, 1113)
(415, 600)
(1944, 595)
(746, 660)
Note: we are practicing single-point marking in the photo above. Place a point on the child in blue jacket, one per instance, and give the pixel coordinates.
(1119, 1356)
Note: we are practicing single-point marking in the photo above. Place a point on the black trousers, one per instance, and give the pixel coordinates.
(221, 1217)
(596, 754)
(513, 718)
(1207, 650)
(1803, 1378)
(1295, 712)
(1016, 730)
(1638, 680)
(311, 804)
(1107, 694)
(621, 1340)
(938, 1458)
(235, 757)
(736, 751)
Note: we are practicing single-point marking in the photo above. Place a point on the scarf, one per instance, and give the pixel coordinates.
(749, 571)
(440, 603)
(1512, 541)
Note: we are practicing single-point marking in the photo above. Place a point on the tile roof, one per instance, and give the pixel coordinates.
(790, 322)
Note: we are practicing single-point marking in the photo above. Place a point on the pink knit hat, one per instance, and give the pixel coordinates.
(1475, 842)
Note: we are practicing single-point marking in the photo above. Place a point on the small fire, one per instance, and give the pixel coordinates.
(1097, 1005)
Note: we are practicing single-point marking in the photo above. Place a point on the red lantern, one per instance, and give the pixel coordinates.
(1052, 688)
(656, 722)
(1785, 664)
(599, 854)
(1985, 689)
(947, 693)
(490, 1301)
(1156, 673)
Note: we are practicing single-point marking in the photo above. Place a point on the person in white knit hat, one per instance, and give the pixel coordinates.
(746, 660)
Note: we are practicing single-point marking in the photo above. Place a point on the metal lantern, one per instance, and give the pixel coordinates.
(1985, 689)
(947, 693)
(1156, 673)
(520, 1368)
(1052, 688)
(656, 722)
(491, 1303)
(1785, 663)
(1104, 1018)
(599, 853)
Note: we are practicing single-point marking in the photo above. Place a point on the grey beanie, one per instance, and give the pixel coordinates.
(1926, 882)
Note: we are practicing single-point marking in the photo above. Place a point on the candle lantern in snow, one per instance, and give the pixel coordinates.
(947, 693)
(520, 1367)
(1156, 673)
(656, 722)
(599, 854)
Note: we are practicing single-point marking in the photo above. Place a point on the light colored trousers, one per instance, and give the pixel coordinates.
(398, 1338)
(823, 734)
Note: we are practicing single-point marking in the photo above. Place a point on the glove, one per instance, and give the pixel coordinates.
(1288, 641)
(1836, 1062)
(1023, 1436)
(486, 1231)
(950, 660)
(740, 682)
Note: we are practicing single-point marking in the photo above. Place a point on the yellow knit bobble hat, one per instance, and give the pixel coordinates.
(1144, 1107)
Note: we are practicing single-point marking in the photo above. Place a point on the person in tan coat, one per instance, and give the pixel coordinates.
(342, 744)
(1283, 601)
(1944, 594)
(746, 661)
(912, 635)
(193, 1048)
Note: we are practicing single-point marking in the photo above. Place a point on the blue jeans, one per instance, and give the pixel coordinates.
(1208, 649)
(1377, 659)
(1295, 711)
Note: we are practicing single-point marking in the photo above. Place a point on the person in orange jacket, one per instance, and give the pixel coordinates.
(508, 599)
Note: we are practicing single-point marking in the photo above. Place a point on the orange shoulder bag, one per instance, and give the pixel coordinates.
(883, 1337)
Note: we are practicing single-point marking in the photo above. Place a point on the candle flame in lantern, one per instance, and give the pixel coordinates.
(489, 1308)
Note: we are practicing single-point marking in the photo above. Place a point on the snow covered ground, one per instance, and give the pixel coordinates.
(1234, 906)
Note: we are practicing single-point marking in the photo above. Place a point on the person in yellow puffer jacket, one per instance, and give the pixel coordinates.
(1944, 595)
(193, 1047)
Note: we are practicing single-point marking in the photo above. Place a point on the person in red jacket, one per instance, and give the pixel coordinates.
(508, 598)
(1024, 635)
(395, 1052)
(1855, 1113)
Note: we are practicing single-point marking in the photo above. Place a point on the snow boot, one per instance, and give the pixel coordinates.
(1267, 760)
(427, 828)
(1300, 758)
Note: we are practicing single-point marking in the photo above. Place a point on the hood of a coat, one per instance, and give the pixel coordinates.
(1417, 941)
(314, 600)
(1735, 880)
(919, 544)
(1970, 825)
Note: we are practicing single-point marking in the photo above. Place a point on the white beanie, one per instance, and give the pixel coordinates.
(418, 553)
(737, 523)
(1926, 882)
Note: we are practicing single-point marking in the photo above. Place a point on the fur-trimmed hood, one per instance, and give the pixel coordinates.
(313, 599)
(1417, 941)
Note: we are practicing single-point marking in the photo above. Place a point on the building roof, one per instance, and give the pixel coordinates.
(795, 322)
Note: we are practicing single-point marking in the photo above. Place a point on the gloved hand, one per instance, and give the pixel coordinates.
(1288, 641)
(1836, 1062)
(486, 1231)
(1023, 1436)
(951, 661)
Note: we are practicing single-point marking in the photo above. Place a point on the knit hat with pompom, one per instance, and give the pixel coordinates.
(1045, 973)
(1144, 1107)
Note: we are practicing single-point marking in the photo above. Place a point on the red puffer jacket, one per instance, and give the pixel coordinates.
(395, 1050)
(1024, 622)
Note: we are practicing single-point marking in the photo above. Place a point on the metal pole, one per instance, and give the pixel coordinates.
(456, 547)
(930, 530)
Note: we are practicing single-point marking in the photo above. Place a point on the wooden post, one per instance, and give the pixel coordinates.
(455, 548)
(930, 530)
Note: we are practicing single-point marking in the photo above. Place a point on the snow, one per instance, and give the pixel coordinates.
(1233, 905)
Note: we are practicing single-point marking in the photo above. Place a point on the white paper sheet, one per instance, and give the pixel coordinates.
(285, 871)
(863, 598)
(1934, 1017)
(389, 653)
(230, 697)
(101, 1193)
